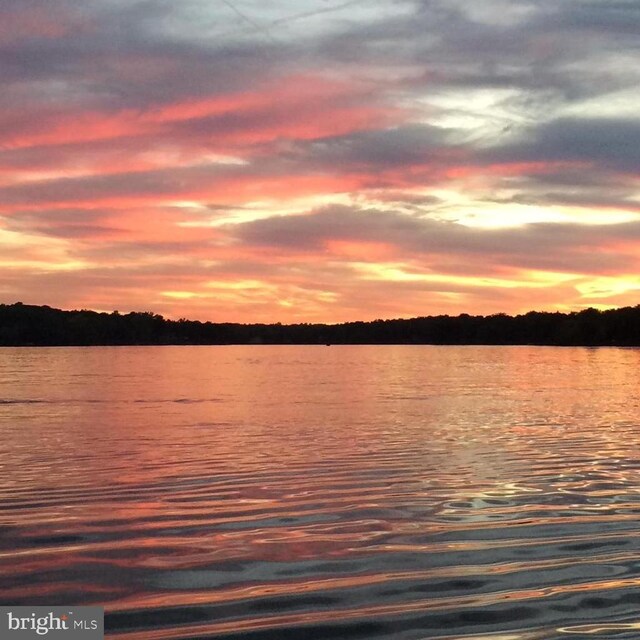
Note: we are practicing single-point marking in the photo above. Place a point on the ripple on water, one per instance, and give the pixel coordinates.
(365, 492)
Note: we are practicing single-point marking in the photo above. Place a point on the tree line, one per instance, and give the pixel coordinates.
(25, 325)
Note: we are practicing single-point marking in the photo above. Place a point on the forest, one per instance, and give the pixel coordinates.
(30, 325)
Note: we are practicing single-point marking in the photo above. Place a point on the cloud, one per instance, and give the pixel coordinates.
(402, 146)
(546, 246)
(613, 17)
(355, 159)
(608, 143)
(63, 223)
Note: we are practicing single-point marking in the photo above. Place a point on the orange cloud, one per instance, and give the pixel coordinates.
(297, 107)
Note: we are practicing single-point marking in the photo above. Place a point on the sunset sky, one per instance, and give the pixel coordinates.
(320, 160)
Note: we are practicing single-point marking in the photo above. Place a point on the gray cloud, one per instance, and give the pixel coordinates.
(395, 147)
(547, 246)
(63, 223)
(616, 17)
(540, 48)
(127, 55)
(157, 183)
(608, 142)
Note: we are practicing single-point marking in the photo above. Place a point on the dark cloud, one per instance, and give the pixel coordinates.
(63, 223)
(546, 246)
(395, 147)
(610, 17)
(540, 48)
(155, 183)
(607, 142)
(606, 198)
(127, 55)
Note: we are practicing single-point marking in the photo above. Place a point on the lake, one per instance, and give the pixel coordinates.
(312, 492)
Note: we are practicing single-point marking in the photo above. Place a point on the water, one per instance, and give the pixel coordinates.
(313, 492)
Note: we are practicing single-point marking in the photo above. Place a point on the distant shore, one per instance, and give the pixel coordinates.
(30, 325)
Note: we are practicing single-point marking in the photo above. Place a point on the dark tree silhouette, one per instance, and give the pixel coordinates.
(24, 325)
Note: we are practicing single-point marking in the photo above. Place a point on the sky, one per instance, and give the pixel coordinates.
(320, 160)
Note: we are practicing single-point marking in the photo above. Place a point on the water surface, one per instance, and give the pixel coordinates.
(315, 492)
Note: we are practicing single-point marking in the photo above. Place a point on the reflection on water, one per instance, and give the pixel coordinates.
(312, 492)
